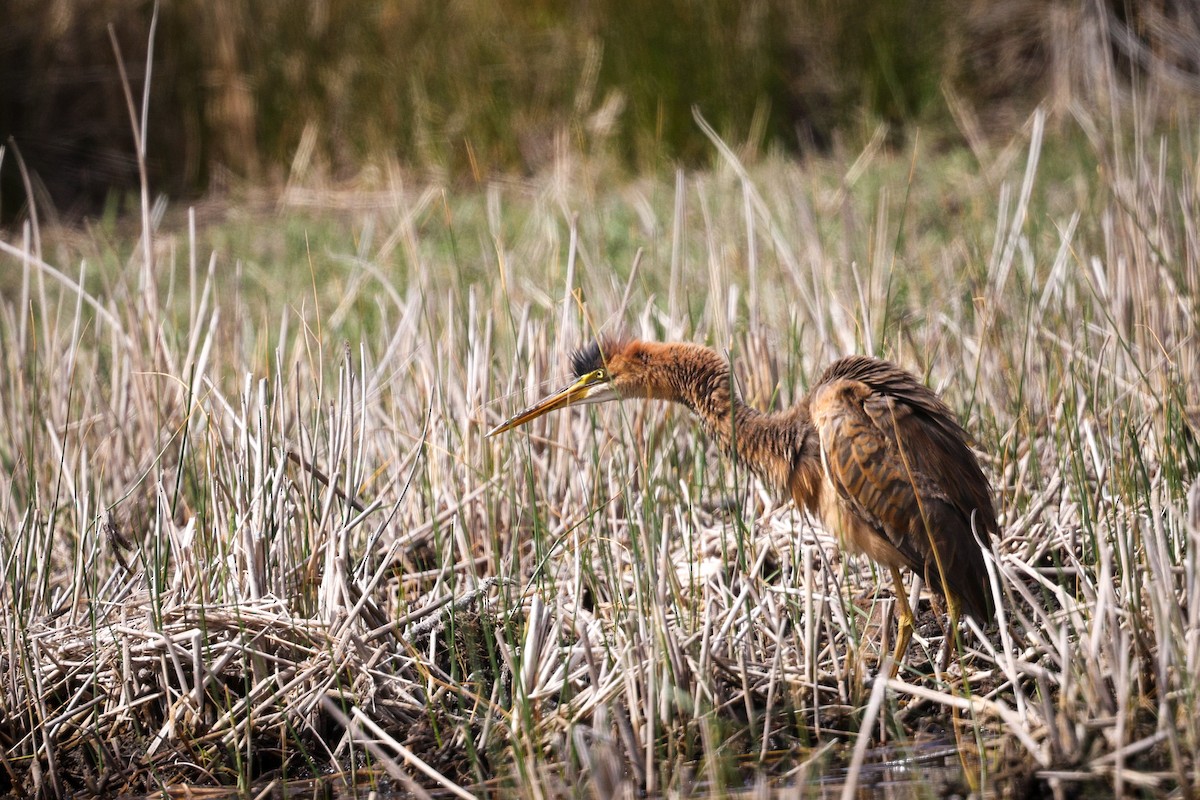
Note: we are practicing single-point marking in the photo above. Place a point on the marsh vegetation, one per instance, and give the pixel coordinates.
(251, 530)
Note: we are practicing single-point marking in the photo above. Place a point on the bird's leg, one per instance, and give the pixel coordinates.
(950, 643)
(904, 622)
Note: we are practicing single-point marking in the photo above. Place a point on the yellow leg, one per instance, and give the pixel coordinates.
(904, 621)
(950, 645)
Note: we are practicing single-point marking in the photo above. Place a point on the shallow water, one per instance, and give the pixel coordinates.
(928, 770)
(931, 769)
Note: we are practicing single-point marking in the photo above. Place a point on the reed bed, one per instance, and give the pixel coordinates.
(251, 531)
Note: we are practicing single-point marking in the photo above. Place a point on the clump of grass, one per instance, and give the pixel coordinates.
(251, 531)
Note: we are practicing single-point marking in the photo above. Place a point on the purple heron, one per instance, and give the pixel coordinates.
(871, 450)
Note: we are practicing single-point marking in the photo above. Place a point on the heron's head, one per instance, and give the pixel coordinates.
(609, 368)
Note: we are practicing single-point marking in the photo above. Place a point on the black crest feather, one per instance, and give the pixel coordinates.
(592, 355)
(587, 359)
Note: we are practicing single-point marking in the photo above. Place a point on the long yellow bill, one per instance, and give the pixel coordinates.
(591, 388)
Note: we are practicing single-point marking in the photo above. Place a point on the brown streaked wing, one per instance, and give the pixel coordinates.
(933, 441)
(860, 463)
(893, 496)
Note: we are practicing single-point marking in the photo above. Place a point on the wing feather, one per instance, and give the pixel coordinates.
(934, 442)
(896, 460)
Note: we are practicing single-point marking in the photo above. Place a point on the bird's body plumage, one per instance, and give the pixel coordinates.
(871, 450)
(908, 487)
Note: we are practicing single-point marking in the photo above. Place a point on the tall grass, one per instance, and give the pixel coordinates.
(466, 91)
(250, 529)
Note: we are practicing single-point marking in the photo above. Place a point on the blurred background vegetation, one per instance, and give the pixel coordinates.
(465, 90)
